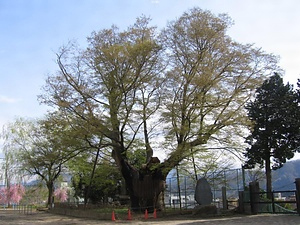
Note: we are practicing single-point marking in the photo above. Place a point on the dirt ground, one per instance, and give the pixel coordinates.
(13, 217)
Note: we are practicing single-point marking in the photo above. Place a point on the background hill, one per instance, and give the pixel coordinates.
(284, 178)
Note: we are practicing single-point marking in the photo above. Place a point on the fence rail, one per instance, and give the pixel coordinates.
(280, 202)
(270, 202)
(25, 209)
(180, 189)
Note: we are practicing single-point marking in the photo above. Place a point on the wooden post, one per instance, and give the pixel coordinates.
(297, 182)
(241, 202)
(244, 179)
(273, 203)
(224, 198)
(254, 196)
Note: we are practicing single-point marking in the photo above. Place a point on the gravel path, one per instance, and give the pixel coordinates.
(10, 217)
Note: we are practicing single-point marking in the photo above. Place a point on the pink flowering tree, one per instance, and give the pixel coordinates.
(12, 194)
(61, 194)
(16, 193)
(3, 195)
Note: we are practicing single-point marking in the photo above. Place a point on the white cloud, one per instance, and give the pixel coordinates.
(5, 99)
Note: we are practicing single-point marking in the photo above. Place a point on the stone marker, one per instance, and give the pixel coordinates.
(203, 193)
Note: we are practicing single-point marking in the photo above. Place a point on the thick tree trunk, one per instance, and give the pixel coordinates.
(50, 187)
(144, 187)
(146, 192)
(269, 179)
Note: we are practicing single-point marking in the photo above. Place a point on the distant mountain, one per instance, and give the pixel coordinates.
(284, 178)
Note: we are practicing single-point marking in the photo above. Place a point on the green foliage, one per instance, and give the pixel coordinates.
(35, 195)
(212, 78)
(275, 136)
(137, 155)
(105, 184)
(40, 148)
(276, 122)
(204, 162)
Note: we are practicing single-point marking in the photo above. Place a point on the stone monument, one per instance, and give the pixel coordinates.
(203, 196)
(203, 193)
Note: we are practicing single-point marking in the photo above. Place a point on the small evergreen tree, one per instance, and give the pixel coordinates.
(275, 134)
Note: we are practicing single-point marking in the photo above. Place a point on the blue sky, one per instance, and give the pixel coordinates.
(33, 30)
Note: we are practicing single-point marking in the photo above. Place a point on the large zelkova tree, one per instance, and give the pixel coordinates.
(113, 87)
(275, 113)
(40, 148)
(184, 86)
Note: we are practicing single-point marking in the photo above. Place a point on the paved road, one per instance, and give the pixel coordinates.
(43, 218)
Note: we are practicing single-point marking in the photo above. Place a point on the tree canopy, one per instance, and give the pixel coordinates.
(210, 80)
